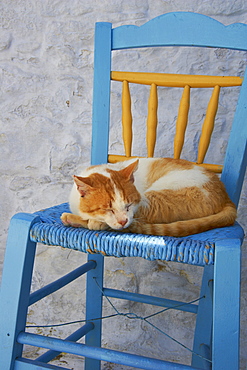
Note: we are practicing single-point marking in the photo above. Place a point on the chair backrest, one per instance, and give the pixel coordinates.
(172, 29)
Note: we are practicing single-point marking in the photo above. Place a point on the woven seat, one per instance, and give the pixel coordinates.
(217, 252)
(195, 249)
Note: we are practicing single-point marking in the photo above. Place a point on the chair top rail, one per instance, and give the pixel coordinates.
(181, 29)
(176, 80)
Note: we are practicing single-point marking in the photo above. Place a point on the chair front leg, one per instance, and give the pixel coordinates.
(15, 289)
(226, 305)
(94, 307)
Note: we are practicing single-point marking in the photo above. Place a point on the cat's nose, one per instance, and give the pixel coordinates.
(123, 222)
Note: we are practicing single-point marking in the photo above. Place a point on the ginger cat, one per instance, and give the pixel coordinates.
(150, 196)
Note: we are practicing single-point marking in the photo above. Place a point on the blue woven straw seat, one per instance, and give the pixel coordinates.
(196, 249)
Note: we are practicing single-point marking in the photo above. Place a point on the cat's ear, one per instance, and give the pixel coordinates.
(128, 171)
(83, 185)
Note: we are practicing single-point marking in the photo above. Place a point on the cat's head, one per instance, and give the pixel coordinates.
(110, 198)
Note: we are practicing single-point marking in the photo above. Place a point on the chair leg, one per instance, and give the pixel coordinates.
(15, 287)
(94, 307)
(203, 330)
(226, 305)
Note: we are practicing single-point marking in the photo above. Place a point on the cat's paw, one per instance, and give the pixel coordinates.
(97, 225)
(69, 219)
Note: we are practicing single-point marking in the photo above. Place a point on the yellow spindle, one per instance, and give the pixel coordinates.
(152, 120)
(126, 119)
(182, 121)
(208, 125)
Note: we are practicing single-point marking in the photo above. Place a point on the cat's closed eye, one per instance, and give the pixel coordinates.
(127, 207)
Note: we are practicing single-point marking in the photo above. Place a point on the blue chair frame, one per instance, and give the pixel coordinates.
(218, 251)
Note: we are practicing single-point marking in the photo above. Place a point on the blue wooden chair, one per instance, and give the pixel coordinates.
(216, 339)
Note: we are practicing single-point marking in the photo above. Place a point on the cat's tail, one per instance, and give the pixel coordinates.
(226, 217)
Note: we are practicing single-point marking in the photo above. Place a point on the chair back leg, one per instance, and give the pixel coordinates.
(203, 332)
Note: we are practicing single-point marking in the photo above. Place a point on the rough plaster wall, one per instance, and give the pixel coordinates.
(46, 60)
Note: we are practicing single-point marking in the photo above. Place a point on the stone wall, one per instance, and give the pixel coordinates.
(46, 60)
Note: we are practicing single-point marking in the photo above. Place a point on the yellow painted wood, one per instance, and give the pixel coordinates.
(217, 168)
(126, 119)
(208, 125)
(182, 121)
(176, 80)
(152, 120)
(114, 158)
(169, 80)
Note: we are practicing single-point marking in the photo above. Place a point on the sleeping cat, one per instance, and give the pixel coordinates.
(162, 196)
